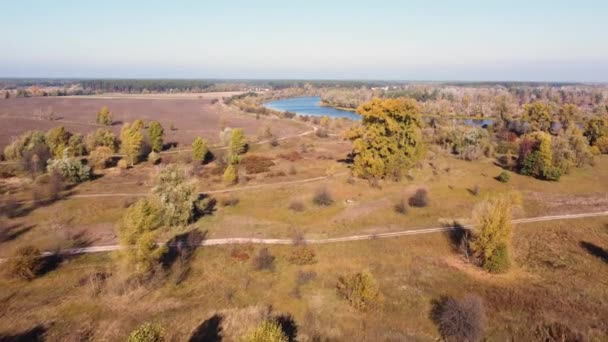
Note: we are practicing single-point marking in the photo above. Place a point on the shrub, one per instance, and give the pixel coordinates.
(420, 199)
(147, 333)
(322, 197)
(551, 173)
(229, 201)
(462, 320)
(504, 177)
(268, 331)
(499, 261)
(297, 206)
(321, 133)
(256, 164)
(70, 169)
(401, 207)
(264, 260)
(274, 142)
(291, 156)
(361, 290)
(26, 263)
(302, 255)
(101, 156)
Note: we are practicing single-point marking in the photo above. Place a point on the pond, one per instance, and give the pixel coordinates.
(311, 105)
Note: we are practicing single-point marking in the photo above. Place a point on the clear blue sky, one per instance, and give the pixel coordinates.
(533, 40)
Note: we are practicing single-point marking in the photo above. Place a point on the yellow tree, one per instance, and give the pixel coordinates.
(104, 116)
(131, 140)
(538, 115)
(389, 138)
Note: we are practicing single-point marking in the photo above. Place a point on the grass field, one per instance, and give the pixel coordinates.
(557, 280)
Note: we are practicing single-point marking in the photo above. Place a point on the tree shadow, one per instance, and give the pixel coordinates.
(49, 263)
(209, 331)
(437, 306)
(169, 145)
(180, 253)
(117, 123)
(595, 250)
(35, 334)
(11, 233)
(289, 326)
(459, 237)
(207, 206)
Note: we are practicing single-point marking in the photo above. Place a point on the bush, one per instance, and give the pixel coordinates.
(101, 156)
(499, 261)
(302, 255)
(26, 263)
(322, 197)
(264, 260)
(504, 177)
(291, 156)
(401, 207)
(147, 333)
(268, 331)
(321, 133)
(256, 164)
(551, 173)
(230, 175)
(461, 320)
(70, 169)
(361, 290)
(297, 206)
(420, 199)
(229, 201)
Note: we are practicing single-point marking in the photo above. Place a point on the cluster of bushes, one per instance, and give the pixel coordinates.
(256, 164)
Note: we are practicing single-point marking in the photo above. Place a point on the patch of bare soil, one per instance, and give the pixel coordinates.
(569, 203)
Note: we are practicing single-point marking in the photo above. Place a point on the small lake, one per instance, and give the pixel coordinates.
(310, 105)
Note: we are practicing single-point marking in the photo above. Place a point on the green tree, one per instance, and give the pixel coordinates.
(267, 331)
(58, 139)
(538, 115)
(176, 196)
(230, 175)
(200, 149)
(137, 234)
(493, 230)
(155, 135)
(131, 140)
(104, 116)
(388, 139)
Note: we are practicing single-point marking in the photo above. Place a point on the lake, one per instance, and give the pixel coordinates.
(310, 105)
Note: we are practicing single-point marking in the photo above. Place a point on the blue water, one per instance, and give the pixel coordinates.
(309, 105)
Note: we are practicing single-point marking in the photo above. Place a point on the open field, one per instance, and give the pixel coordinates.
(191, 115)
(557, 281)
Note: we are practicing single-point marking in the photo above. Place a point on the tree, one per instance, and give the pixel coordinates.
(101, 137)
(596, 128)
(24, 143)
(538, 115)
(237, 144)
(70, 169)
(175, 195)
(200, 149)
(76, 145)
(137, 233)
(155, 135)
(230, 175)
(388, 139)
(57, 140)
(268, 331)
(493, 229)
(131, 140)
(104, 116)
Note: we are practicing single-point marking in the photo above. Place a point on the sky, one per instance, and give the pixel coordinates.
(466, 40)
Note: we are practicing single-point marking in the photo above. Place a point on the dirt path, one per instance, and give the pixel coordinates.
(230, 241)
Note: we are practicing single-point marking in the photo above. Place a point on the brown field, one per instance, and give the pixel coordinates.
(191, 116)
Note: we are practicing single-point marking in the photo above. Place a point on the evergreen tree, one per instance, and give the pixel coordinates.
(237, 142)
(199, 149)
(230, 175)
